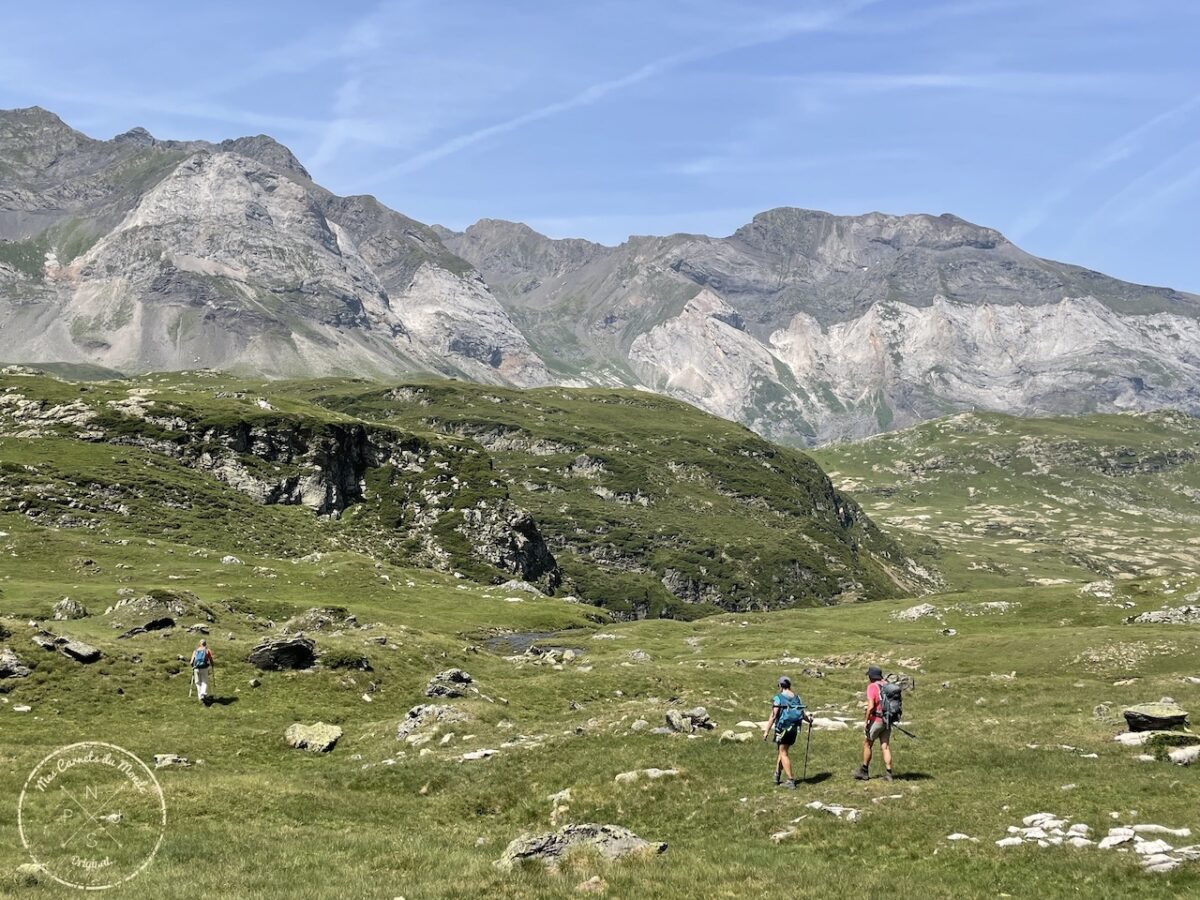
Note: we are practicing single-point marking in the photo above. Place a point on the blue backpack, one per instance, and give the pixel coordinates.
(791, 712)
(199, 659)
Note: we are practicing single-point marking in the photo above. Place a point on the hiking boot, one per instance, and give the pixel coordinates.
(861, 773)
(778, 779)
(887, 775)
(790, 785)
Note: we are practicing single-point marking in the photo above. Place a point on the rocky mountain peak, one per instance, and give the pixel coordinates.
(34, 139)
(267, 151)
(139, 137)
(807, 231)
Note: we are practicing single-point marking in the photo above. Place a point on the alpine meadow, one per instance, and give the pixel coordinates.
(348, 552)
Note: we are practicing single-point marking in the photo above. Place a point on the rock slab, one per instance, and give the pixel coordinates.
(317, 738)
(1156, 717)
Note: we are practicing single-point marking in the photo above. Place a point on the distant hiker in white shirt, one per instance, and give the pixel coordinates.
(202, 663)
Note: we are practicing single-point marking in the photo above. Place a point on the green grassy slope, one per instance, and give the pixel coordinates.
(633, 490)
(651, 507)
(1009, 672)
(257, 819)
(998, 500)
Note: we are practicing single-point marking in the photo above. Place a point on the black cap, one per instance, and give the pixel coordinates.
(874, 673)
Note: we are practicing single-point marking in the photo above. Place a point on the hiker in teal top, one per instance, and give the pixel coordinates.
(787, 717)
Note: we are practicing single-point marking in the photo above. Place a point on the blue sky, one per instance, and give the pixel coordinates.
(1072, 126)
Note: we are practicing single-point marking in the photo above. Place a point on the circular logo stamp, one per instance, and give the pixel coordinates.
(92, 815)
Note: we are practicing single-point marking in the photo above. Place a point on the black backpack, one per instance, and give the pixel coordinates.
(891, 703)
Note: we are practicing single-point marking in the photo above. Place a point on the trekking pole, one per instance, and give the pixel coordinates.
(191, 683)
(807, 744)
(902, 731)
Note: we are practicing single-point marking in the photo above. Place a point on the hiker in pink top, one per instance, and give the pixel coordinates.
(877, 728)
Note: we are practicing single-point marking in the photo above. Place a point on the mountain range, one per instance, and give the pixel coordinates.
(139, 254)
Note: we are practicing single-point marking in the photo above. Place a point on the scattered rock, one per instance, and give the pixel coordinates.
(739, 737)
(1179, 615)
(22, 709)
(594, 885)
(231, 561)
(450, 683)
(317, 738)
(610, 841)
(959, 836)
(639, 725)
(283, 653)
(651, 774)
(1156, 717)
(841, 812)
(822, 724)
(67, 609)
(320, 618)
(690, 720)
(477, 754)
(920, 611)
(170, 760)
(1184, 756)
(11, 665)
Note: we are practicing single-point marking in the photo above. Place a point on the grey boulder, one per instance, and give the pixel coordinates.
(11, 665)
(283, 653)
(549, 848)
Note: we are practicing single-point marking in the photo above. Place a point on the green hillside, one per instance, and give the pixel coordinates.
(385, 525)
(638, 504)
(996, 500)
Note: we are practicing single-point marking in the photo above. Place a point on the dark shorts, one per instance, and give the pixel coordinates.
(786, 736)
(877, 731)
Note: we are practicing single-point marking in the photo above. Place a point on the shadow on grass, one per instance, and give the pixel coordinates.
(816, 779)
(221, 701)
(912, 776)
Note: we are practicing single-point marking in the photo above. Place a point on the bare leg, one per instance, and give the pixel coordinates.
(785, 761)
(886, 747)
(867, 754)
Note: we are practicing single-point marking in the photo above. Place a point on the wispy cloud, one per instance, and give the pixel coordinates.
(1119, 149)
(749, 162)
(757, 34)
(1024, 82)
(1136, 195)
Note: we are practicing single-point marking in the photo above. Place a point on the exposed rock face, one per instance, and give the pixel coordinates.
(318, 738)
(427, 714)
(66, 609)
(1180, 615)
(153, 625)
(610, 841)
(144, 254)
(283, 653)
(808, 326)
